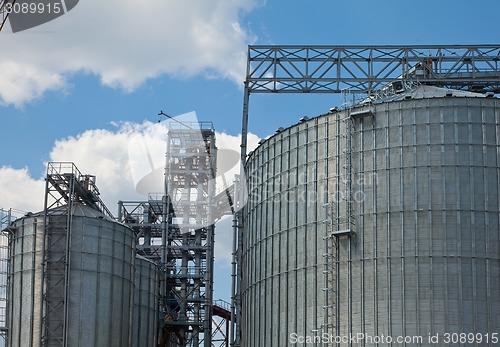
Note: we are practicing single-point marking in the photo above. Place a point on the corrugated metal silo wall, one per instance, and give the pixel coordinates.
(425, 258)
(100, 282)
(25, 283)
(284, 230)
(425, 255)
(145, 303)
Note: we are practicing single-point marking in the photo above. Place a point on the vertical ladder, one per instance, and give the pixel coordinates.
(342, 213)
(339, 218)
(329, 273)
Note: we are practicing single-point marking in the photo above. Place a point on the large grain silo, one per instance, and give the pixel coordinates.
(381, 219)
(71, 269)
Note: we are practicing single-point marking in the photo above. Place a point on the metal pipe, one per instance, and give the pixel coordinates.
(212, 160)
(234, 266)
(238, 220)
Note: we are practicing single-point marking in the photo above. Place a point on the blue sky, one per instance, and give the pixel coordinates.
(73, 82)
(85, 103)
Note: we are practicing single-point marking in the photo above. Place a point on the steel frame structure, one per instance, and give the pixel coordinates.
(176, 230)
(65, 186)
(366, 69)
(363, 69)
(360, 70)
(6, 217)
(220, 333)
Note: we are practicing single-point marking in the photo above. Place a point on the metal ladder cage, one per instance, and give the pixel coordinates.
(329, 274)
(339, 212)
(341, 198)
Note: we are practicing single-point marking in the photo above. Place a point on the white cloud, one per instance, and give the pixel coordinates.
(20, 191)
(125, 43)
(223, 247)
(102, 153)
(22, 82)
(105, 153)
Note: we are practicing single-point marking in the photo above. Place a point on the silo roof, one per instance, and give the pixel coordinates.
(78, 209)
(427, 92)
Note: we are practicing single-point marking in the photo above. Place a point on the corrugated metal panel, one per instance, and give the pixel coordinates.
(25, 281)
(145, 303)
(281, 294)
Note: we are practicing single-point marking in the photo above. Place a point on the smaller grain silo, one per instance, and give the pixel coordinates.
(99, 284)
(145, 303)
(71, 269)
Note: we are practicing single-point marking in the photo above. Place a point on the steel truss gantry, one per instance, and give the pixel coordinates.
(366, 69)
(360, 70)
(363, 69)
(176, 230)
(65, 187)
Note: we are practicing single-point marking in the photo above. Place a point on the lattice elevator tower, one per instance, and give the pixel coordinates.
(176, 230)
